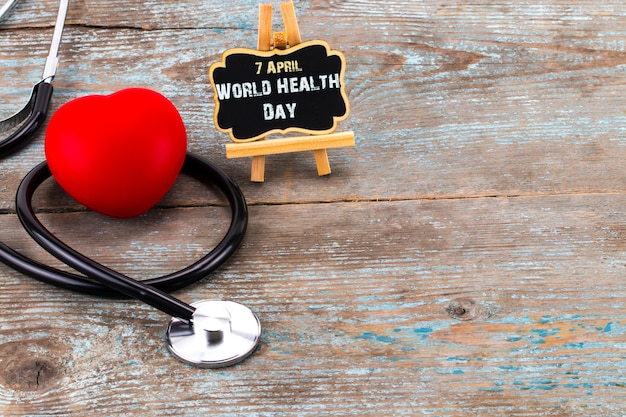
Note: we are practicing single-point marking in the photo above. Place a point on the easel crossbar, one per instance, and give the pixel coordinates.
(290, 144)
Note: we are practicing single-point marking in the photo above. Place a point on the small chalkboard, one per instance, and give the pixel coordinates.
(261, 92)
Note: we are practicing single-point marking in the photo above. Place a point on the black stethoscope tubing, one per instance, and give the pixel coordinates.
(100, 280)
(41, 95)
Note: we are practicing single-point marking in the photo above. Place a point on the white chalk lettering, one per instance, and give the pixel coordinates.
(333, 81)
(237, 90)
(268, 111)
(223, 91)
(323, 80)
(290, 85)
(266, 88)
(271, 112)
(243, 90)
(304, 84)
(291, 108)
(311, 83)
(282, 85)
(279, 112)
(293, 84)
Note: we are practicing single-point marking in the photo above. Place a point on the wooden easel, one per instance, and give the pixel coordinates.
(316, 143)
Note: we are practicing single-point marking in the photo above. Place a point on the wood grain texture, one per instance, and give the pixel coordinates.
(466, 257)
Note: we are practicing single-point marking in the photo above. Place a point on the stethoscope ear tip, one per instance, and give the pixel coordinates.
(221, 333)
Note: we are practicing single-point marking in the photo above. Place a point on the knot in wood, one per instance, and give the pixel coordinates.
(462, 309)
(29, 374)
(30, 365)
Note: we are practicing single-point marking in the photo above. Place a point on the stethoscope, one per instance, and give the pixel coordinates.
(209, 333)
(33, 115)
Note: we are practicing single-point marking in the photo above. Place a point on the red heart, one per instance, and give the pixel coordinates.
(117, 154)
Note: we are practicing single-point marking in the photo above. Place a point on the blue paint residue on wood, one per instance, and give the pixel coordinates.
(379, 338)
(423, 330)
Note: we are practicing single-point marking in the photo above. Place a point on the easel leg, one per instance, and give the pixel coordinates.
(264, 43)
(291, 23)
(264, 39)
(257, 169)
(321, 160)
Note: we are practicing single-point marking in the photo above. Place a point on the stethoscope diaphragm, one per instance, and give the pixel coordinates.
(223, 333)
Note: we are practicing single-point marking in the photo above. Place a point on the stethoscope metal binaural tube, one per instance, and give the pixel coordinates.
(6, 8)
(31, 117)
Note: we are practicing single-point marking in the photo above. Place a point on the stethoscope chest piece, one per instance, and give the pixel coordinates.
(221, 333)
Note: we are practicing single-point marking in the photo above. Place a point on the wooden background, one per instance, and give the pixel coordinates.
(466, 257)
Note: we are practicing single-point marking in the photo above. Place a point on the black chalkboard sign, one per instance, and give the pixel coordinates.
(297, 89)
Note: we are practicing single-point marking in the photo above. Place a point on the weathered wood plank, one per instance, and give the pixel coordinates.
(514, 305)
(534, 115)
(466, 257)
